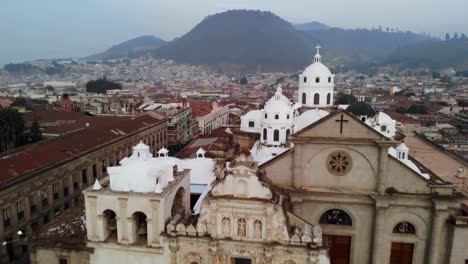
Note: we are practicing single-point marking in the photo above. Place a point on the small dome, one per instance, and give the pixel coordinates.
(278, 103)
(317, 69)
(361, 109)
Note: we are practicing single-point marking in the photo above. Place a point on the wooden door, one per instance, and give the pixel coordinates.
(339, 249)
(402, 253)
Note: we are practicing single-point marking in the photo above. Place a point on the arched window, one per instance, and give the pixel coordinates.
(336, 217)
(305, 79)
(304, 98)
(317, 80)
(316, 99)
(287, 133)
(251, 123)
(264, 134)
(329, 79)
(404, 228)
(178, 206)
(276, 135)
(276, 116)
(110, 226)
(328, 98)
(140, 228)
(287, 116)
(363, 119)
(266, 116)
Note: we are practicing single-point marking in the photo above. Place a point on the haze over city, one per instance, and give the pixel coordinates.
(73, 29)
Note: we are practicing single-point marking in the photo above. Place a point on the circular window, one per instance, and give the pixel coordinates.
(339, 163)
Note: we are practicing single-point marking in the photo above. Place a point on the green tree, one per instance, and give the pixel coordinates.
(102, 85)
(50, 88)
(462, 104)
(455, 36)
(35, 133)
(447, 36)
(11, 128)
(243, 80)
(345, 99)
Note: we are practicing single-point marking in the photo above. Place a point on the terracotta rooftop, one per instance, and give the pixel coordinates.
(72, 145)
(67, 227)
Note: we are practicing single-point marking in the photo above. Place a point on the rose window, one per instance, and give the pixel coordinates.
(339, 163)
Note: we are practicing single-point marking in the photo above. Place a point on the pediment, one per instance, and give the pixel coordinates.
(340, 124)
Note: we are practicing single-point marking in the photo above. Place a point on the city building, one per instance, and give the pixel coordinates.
(41, 181)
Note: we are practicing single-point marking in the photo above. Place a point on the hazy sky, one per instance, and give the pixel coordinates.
(32, 29)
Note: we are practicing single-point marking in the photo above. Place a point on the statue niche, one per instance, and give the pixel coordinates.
(226, 226)
(257, 229)
(241, 230)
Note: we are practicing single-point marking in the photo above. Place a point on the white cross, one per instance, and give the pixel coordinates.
(318, 48)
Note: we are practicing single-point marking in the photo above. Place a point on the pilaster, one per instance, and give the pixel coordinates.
(439, 215)
(381, 205)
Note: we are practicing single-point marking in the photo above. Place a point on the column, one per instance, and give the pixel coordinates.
(438, 220)
(3, 251)
(27, 214)
(50, 202)
(91, 226)
(154, 224)
(379, 232)
(383, 166)
(173, 247)
(122, 222)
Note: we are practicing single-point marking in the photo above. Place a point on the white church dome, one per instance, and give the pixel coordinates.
(278, 103)
(317, 69)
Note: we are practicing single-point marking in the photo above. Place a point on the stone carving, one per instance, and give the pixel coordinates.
(258, 229)
(241, 231)
(226, 226)
(339, 163)
(317, 231)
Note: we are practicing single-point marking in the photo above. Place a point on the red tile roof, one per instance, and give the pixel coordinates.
(73, 145)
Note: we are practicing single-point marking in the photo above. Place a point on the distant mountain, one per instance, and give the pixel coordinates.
(243, 39)
(361, 46)
(131, 48)
(433, 54)
(310, 26)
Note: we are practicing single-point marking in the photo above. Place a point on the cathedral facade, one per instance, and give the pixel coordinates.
(346, 171)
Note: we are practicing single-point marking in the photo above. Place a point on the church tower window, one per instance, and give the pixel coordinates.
(317, 80)
(276, 135)
(251, 123)
(276, 116)
(328, 98)
(336, 217)
(329, 79)
(287, 133)
(404, 228)
(287, 116)
(305, 79)
(266, 116)
(316, 99)
(304, 98)
(264, 134)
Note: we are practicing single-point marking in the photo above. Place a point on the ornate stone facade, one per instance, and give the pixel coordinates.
(243, 218)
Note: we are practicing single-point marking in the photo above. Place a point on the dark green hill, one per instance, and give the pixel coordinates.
(433, 54)
(248, 39)
(131, 48)
(363, 45)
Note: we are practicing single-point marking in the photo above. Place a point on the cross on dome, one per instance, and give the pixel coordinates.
(279, 89)
(317, 57)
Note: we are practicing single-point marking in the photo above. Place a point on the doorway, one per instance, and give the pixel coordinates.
(402, 253)
(339, 249)
(241, 261)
